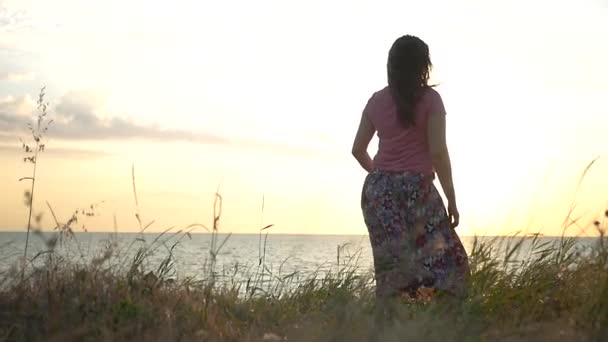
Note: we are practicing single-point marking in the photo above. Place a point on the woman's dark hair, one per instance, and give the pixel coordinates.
(409, 66)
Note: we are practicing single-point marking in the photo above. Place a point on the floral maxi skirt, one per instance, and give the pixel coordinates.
(412, 242)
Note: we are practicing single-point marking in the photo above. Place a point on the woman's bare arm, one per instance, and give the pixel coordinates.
(441, 162)
(364, 135)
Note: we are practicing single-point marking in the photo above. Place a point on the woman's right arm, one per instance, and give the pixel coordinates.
(441, 162)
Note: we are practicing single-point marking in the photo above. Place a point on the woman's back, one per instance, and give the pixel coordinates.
(401, 148)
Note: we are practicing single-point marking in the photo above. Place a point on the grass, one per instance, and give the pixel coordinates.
(37, 131)
(549, 292)
(555, 292)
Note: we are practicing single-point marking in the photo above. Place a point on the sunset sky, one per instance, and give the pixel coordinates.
(264, 98)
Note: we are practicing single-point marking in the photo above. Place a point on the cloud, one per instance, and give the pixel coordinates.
(20, 107)
(16, 76)
(8, 121)
(11, 20)
(78, 116)
(15, 112)
(61, 152)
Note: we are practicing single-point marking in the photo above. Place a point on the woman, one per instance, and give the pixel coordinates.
(413, 238)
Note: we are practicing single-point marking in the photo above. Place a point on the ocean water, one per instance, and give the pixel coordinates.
(240, 258)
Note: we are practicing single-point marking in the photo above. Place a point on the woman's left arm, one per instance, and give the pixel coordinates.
(364, 136)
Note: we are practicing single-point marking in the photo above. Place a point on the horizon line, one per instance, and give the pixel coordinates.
(528, 235)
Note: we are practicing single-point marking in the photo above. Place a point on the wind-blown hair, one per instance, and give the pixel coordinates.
(409, 67)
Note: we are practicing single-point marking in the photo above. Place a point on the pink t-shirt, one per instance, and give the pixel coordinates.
(402, 149)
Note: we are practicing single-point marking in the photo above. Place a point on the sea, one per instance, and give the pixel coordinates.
(235, 258)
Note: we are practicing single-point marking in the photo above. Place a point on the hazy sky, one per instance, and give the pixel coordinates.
(264, 97)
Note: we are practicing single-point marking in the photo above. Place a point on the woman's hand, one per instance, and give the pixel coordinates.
(454, 215)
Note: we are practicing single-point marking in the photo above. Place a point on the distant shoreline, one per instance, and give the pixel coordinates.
(529, 235)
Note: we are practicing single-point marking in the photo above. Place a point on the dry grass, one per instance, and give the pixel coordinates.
(555, 293)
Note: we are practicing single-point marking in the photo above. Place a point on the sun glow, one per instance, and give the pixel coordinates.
(264, 99)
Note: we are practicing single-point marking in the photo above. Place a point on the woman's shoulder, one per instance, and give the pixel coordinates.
(429, 92)
(433, 100)
(378, 97)
(432, 93)
(380, 93)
